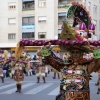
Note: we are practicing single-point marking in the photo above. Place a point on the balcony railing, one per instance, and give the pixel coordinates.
(28, 26)
(63, 5)
(24, 9)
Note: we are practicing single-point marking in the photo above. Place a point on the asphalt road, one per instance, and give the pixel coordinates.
(38, 91)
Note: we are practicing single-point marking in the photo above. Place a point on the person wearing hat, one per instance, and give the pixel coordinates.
(18, 77)
(1, 74)
(98, 83)
(40, 70)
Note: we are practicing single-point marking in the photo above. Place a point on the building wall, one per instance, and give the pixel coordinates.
(50, 26)
(5, 14)
(50, 11)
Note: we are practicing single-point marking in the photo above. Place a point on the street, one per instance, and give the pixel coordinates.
(39, 91)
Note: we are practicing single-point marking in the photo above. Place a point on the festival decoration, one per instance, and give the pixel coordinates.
(84, 55)
(59, 42)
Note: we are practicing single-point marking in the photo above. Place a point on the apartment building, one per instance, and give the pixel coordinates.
(38, 19)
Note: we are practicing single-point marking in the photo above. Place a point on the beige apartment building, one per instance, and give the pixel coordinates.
(38, 19)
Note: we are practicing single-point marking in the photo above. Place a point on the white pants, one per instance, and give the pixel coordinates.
(40, 74)
(46, 69)
(18, 82)
(1, 75)
(12, 71)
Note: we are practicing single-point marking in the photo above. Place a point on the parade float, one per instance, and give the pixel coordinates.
(82, 54)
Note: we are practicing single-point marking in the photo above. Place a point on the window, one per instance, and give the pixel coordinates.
(28, 35)
(11, 20)
(84, 1)
(28, 20)
(41, 35)
(94, 8)
(28, 5)
(89, 5)
(99, 24)
(42, 3)
(42, 19)
(11, 36)
(95, 22)
(99, 11)
(12, 5)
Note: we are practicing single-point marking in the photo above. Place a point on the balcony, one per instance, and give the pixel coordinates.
(28, 8)
(63, 7)
(28, 28)
(59, 25)
(28, 5)
(25, 9)
(28, 0)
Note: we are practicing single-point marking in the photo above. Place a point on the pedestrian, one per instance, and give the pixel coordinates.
(18, 77)
(1, 74)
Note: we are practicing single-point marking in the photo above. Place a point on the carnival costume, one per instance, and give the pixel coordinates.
(84, 55)
(98, 83)
(1, 74)
(40, 70)
(18, 77)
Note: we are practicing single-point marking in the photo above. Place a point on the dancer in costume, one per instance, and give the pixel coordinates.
(40, 70)
(75, 74)
(1, 73)
(54, 70)
(18, 77)
(98, 82)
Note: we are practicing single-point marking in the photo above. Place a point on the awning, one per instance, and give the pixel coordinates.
(27, 0)
(7, 45)
(30, 15)
(28, 26)
(61, 14)
(12, 4)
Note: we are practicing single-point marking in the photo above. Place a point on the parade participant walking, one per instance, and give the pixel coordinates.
(40, 70)
(54, 70)
(18, 77)
(46, 70)
(98, 82)
(1, 74)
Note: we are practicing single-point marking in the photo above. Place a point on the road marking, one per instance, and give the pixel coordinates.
(14, 89)
(39, 88)
(55, 91)
(6, 86)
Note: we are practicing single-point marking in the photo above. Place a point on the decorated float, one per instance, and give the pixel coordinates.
(82, 54)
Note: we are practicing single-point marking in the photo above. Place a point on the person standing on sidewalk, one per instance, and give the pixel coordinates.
(18, 77)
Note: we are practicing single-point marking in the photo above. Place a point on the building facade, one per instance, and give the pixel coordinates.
(38, 19)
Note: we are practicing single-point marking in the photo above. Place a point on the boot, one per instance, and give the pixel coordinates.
(91, 76)
(98, 91)
(44, 79)
(54, 75)
(97, 84)
(2, 79)
(58, 76)
(12, 76)
(48, 71)
(17, 86)
(20, 88)
(45, 74)
(38, 79)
